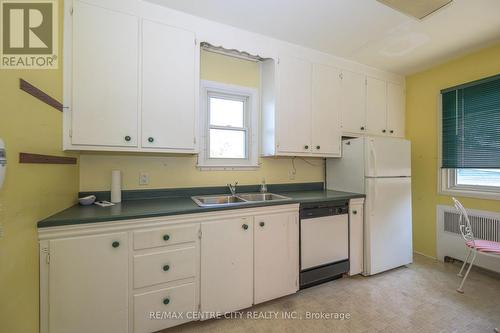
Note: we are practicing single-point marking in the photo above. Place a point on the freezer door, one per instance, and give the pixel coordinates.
(387, 157)
(388, 224)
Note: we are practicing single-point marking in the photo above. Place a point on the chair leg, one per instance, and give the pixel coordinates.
(460, 290)
(465, 263)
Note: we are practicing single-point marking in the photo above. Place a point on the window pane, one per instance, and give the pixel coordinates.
(481, 177)
(225, 112)
(227, 144)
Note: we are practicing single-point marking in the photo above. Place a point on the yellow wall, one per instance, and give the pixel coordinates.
(180, 171)
(31, 192)
(422, 91)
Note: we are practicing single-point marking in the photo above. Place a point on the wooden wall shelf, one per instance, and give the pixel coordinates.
(35, 92)
(45, 159)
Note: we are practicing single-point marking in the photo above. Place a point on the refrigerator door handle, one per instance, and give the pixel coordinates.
(373, 158)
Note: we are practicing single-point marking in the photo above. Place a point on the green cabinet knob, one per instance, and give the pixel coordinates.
(128, 138)
(245, 226)
(262, 224)
(115, 244)
(166, 237)
(166, 267)
(151, 139)
(318, 147)
(306, 147)
(392, 131)
(354, 212)
(166, 300)
(383, 131)
(362, 128)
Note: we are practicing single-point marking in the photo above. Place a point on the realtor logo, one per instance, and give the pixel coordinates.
(29, 34)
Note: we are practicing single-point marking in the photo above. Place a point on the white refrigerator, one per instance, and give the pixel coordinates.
(381, 169)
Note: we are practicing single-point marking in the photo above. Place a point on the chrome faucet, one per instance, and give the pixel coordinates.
(263, 186)
(232, 188)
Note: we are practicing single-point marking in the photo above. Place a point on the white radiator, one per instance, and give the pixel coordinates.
(449, 241)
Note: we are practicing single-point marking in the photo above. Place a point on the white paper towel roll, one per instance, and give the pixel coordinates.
(116, 186)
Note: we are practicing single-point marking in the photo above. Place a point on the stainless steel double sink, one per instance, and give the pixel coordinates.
(237, 199)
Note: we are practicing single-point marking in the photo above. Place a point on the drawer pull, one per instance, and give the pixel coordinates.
(354, 212)
(166, 300)
(128, 138)
(166, 267)
(115, 244)
(245, 226)
(262, 224)
(166, 237)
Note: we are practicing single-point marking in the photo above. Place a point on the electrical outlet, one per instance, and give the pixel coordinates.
(143, 178)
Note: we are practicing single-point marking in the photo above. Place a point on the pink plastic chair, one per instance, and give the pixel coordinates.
(474, 246)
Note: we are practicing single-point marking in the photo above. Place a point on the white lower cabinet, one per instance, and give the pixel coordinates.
(356, 221)
(87, 288)
(227, 265)
(276, 256)
(150, 274)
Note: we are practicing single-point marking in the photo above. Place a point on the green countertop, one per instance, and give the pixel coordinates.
(154, 207)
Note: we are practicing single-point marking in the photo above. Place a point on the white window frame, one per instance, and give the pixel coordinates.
(250, 97)
(447, 178)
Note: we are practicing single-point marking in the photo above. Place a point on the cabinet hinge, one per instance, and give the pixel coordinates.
(195, 41)
(71, 11)
(199, 233)
(199, 307)
(366, 81)
(194, 140)
(47, 254)
(70, 133)
(278, 61)
(341, 76)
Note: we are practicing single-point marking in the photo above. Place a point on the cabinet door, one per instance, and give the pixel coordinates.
(88, 284)
(353, 98)
(168, 87)
(395, 110)
(276, 250)
(356, 236)
(105, 77)
(376, 106)
(294, 106)
(326, 136)
(227, 265)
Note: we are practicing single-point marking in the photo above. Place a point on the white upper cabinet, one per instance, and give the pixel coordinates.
(353, 102)
(134, 82)
(395, 110)
(326, 137)
(300, 108)
(294, 106)
(168, 87)
(105, 77)
(376, 106)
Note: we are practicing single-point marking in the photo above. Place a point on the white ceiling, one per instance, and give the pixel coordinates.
(365, 31)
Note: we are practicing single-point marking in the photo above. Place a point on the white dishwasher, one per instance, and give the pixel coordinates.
(324, 241)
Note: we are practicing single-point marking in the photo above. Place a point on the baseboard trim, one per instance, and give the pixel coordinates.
(425, 255)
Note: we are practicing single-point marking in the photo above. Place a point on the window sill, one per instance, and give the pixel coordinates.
(470, 194)
(228, 168)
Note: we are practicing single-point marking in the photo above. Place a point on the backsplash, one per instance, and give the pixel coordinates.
(181, 171)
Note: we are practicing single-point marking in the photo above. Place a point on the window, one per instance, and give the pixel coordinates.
(229, 121)
(470, 139)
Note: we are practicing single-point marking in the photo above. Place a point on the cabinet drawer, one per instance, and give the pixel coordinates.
(162, 267)
(165, 236)
(152, 309)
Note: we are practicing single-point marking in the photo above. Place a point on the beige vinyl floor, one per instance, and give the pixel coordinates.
(417, 298)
